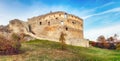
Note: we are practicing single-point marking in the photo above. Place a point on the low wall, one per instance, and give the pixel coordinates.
(78, 42)
(74, 42)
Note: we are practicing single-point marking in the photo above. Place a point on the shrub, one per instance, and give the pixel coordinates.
(100, 45)
(62, 40)
(118, 46)
(9, 46)
(106, 45)
(112, 46)
(92, 43)
(101, 39)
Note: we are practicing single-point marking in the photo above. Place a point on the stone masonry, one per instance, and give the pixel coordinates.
(49, 26)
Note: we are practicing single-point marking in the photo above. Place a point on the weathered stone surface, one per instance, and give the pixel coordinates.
(18, 26)
(49, 26)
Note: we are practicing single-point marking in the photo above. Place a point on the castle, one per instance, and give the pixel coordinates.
(49, 27)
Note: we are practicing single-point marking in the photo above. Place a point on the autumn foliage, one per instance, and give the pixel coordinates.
(104, 43)
(62, 40)
(9, 46)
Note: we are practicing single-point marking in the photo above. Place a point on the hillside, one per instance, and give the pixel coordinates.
(43, 50)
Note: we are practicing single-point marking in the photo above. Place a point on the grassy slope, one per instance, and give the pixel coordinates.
(43, 50)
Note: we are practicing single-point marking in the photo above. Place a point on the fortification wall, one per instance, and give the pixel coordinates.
(52, 24)
(49, 26)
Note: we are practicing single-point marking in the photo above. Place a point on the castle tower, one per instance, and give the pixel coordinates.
(50, 25)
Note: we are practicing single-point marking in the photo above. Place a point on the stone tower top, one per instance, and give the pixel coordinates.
(55, 13)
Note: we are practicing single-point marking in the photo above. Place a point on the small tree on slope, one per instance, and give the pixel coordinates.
(62, 40)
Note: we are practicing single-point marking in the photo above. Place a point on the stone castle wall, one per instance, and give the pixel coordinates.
(50, 26)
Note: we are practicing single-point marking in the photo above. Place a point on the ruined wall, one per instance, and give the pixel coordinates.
(52, 24)
(49, 26)
(17, 26)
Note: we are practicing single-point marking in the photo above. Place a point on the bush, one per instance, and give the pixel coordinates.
(112, 46)
(62, 40)
(92, 43)
(106, 45)
(118, 46)
(100, 45)
(9, 46)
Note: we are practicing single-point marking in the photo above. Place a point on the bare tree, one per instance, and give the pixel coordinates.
(110, 39)
(62, 40)
(101, 39)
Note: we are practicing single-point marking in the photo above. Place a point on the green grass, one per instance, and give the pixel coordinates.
(43, 50)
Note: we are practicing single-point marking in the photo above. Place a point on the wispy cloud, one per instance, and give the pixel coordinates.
(18, 10)
(23, 12)
(105, 18)
(102, 13)
(105, 5)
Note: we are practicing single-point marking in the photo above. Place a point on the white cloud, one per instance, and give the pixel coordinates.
(87, 12)
(107, 4)
(101, 13)
(18, 10)
(106, 31)
(23, 12)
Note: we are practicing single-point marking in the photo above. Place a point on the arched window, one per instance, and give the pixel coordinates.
(40, 23)
(48, 23)
(65, 16)
(73, 22)
(66, 28)
(56, 18)
(62, 23)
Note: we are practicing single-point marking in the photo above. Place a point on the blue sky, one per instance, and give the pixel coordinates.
(101, 17)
